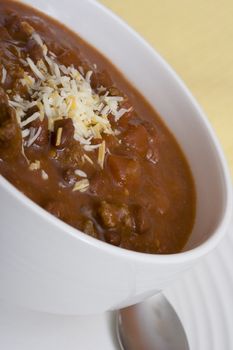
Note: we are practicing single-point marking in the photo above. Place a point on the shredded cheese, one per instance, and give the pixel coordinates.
(35, 165)
(25, 133)
(90, 148)
(88, 159)
(81, 185)
(80, 173)
(61, 92)
(34, 68)
(33, 117)
(44, 175)
(37, 38)
(59, 135)
(101, 154)
(4, 74)
(33, 136)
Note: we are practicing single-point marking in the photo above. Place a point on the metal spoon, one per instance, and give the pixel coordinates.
(151, 325)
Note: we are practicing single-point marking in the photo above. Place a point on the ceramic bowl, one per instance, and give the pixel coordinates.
(49, 266)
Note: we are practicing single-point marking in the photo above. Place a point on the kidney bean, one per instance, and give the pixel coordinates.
(67, 57)
(124, 170)
(101, 79)
(114, 91)
(136, 138)
(69, 157)
(67, 134)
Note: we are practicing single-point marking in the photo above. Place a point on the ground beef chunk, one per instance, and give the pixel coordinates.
(113, 215)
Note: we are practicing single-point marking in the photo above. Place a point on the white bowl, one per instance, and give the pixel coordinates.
(49, 266)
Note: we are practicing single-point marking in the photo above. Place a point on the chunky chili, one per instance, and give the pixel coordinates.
(80, 141)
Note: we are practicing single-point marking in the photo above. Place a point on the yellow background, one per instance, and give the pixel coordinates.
(196, 38)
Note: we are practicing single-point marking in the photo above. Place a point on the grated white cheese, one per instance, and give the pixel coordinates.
(121, 112)
(24, 63)
(33, 117)
(80, 173)
(59, 135)
(90, 148)
(37, 38)
(88, 159)
(88, 76)
(35, 165)
(81, 185)
(101, 154)
(81, 70)
(61, 91)
(52, 54)
(25, 133)
(44, 175)
(4, 74)
(101, 89)
(34, 68)
(33, 138)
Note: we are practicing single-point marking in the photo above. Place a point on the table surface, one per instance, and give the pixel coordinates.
(195, 37)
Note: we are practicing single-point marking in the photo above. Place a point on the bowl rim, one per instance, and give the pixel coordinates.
(163, 259)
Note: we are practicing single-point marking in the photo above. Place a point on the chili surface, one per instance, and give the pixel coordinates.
(79, 140)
